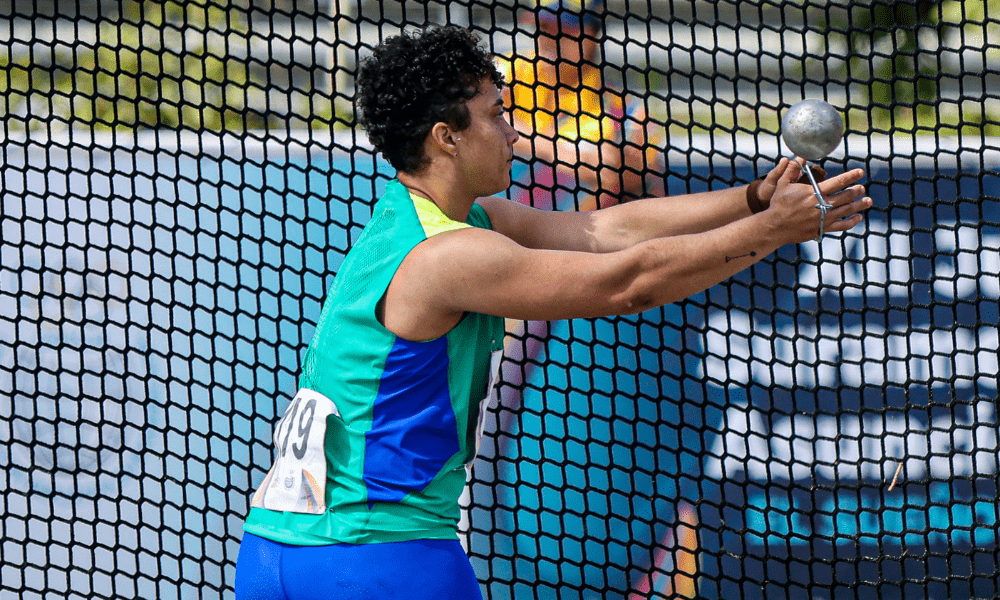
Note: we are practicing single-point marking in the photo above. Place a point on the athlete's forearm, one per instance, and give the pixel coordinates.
(628, 224)
(673, 268)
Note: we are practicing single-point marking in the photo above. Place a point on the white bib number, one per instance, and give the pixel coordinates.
(297, 479)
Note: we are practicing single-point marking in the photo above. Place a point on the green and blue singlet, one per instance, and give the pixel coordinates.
(375, 445)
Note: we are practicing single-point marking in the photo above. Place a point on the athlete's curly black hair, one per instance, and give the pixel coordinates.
(413, 81)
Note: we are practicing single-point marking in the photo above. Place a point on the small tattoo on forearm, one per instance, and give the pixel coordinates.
(732, 258)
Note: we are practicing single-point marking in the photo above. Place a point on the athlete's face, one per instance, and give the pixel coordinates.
(486, 146)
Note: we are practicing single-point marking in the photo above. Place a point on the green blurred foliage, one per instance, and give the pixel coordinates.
(186, 64)
(162, 64)
(897, 49)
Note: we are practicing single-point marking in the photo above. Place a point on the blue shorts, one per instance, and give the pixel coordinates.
(415, 570)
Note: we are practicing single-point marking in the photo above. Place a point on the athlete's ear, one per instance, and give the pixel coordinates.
(445, 138)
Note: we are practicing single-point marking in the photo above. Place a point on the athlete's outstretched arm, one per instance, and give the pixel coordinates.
(476, 270)
(618, 227)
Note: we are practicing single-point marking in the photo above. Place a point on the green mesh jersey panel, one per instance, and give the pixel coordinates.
(404, 416)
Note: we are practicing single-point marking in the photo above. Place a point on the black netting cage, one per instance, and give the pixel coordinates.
(180, 181)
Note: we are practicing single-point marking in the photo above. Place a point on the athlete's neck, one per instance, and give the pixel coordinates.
(455, 208)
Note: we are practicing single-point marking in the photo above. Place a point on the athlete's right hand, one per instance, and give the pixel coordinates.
(793, 215)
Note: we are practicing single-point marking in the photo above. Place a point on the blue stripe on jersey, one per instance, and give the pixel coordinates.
(414, 431)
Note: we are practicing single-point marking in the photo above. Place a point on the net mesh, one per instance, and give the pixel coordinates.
(179, 182)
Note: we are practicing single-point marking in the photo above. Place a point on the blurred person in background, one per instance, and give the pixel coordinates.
(584, 144)
(587, 144)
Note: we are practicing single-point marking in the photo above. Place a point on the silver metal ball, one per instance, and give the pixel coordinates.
(812, 129)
